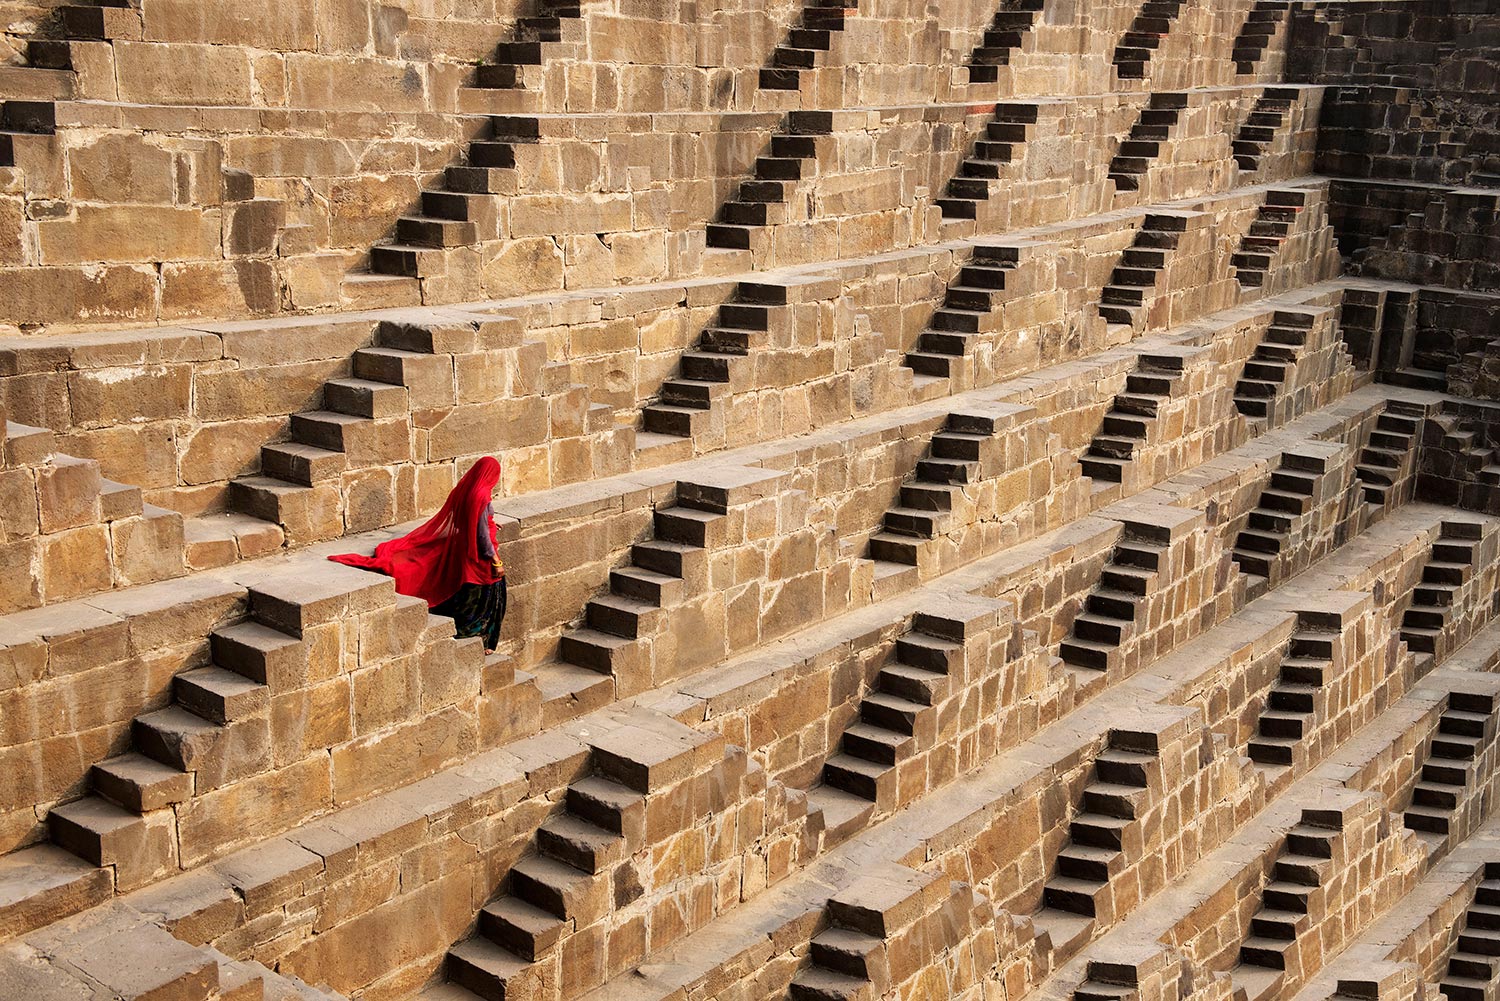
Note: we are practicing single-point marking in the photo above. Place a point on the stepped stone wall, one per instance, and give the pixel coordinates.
(1001, 500)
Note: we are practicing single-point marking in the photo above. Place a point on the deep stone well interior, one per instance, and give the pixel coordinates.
(1000, 499)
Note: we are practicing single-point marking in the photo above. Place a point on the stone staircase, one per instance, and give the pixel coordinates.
(466, 208)
(69, 531)
(645, 785)
(1268, 372)
(1261, 25)
(1149, 29)
(102, 20)
(806, 43)
(206, 736)
(966, 313)
(1294, 705)
(998, 149)
(1450, 566)
(1126, 300)
(897, 720)
(1465, 728)
(876, 935)
(1108, 981)
(1007, 30)
(965, 452)
(1287, 901)
(1473, 967)
(606, 656)
(717, 366)
(1111, 612)
(563, 886)
(552, 34)
(1268, 233)
(1116, 798)
(1454, 449)
(763, 198)
(661, 572)
(28, 114)
(1143, 144)
(1388, 457)
(23, 124)
(1131, 421)
(1266, 119)
(307, 487)
(1293, 494)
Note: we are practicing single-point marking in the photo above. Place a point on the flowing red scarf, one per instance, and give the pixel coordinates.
(435, 560)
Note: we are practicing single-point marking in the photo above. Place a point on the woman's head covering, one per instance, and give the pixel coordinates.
(435, 560)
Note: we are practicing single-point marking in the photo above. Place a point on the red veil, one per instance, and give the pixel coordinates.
(435, 560)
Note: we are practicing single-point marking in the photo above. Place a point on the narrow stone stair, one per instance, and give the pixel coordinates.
(1117, 797)
(999, 147)
(1142, 145)
(1286, 901)
(806, 44)
(1111, 610)
(1008, 28)
(1268, 371)
(1465, 729)
(1149, 29)
(1295, 702)
(1130, 422)
(762, 199)
(1473, 967)
(1259, 130)
(1261, 25)
(964, 315)
(1450, 566)
(1125, 301)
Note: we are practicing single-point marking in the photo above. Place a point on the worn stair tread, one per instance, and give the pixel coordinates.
(525, 916)
(488, 956)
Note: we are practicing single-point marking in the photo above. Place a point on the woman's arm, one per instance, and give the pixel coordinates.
(482, 534)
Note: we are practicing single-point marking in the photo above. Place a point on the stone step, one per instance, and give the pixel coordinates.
(1269, 953)
(1112, 800)
(94, 829)
(521, 928)
(590, 648)
(1067, 893)
(175, 736)
(847, 951)
(690, 526)
(140, 784)
(265, 655)
(647, 586)
(306, 465)
(1099, 831)
(1428, 820)
(878, 744)
(892, 712)
(220, 696)
(818, 984)
(914, 684)
(553, 886)
(863, 777)
(620, 615)
(671, 559)
(481, 966)
(1090, 863)
(931, 653)
(46, 883)
(579, 843)
(608, 805)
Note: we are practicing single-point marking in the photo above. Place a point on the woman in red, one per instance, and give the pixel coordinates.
(451, 560)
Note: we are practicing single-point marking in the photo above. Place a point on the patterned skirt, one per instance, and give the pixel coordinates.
(476, 610)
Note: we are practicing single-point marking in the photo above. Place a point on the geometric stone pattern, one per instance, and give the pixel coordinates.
(999, 500)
